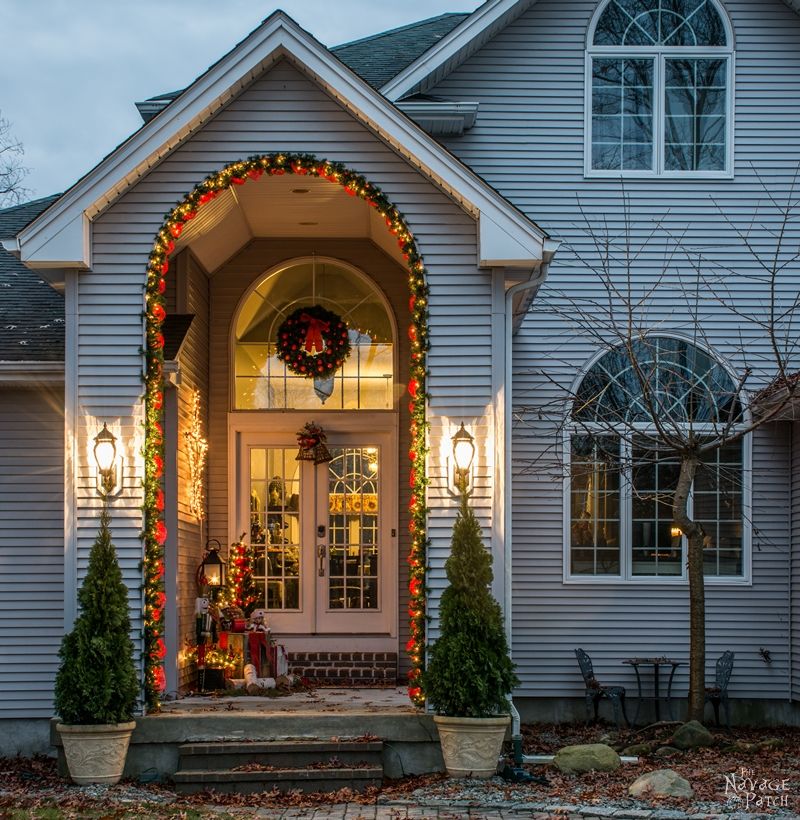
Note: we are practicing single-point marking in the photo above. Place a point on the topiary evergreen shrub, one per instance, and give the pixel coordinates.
(469, 672)
(97, 681)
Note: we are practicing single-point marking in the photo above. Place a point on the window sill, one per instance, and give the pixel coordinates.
(682, 176)
(651, 580)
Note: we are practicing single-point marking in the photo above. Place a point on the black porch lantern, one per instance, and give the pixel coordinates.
(213, 568)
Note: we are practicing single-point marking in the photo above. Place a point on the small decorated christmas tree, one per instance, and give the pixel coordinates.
(469, 672)
(97, 681)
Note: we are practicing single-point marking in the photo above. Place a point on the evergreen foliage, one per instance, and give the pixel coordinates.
(470, 672)
(97, 681)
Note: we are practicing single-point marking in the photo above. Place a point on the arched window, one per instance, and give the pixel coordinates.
(365, 381)
(623, 476)
(659, 78)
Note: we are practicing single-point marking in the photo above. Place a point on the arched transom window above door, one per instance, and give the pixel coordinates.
(659, 89)
(263, 381)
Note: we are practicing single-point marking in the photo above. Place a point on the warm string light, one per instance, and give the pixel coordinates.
(154, 535)
(240, 590)
(196, 452)
(213, 657)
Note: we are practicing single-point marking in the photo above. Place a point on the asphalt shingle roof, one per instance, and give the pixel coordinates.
(31, 312)
(379, 57)
(382, 56)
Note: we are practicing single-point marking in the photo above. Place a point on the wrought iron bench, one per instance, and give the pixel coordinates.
(595, 692)
(718, 692)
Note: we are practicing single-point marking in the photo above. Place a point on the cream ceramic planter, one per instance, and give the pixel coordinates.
(471, 746)
(96, 754)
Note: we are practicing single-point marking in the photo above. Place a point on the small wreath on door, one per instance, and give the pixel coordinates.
(313, 342)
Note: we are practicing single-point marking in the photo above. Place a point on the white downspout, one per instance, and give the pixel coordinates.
(534, 282)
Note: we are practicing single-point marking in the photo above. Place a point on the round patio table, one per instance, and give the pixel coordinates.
(656, 663)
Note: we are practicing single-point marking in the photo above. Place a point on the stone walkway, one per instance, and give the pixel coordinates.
(406, 811)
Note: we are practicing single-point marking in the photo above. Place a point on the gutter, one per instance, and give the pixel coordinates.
(532, 284)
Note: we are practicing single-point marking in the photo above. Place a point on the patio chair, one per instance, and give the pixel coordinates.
(595, 692)
(718, 692)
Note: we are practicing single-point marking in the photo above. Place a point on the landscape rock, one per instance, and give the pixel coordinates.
(587, 758)
(661, 783)
(667, 751)
(692, 735)
(772, 743)
(637, 749)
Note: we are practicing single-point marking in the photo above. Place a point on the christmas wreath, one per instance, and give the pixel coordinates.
(313, 342)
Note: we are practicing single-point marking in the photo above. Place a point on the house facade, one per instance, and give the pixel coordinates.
(440, 194)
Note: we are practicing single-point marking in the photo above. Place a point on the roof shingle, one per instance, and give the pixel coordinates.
(31, 312)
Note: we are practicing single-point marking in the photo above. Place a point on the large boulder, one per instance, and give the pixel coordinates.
(691, 735)
(660, 783)
(587, 758)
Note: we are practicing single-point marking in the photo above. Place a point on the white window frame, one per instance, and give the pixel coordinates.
(626, 575)
(660, 54)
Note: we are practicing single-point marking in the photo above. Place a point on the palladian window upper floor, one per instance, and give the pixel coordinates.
(659, 89)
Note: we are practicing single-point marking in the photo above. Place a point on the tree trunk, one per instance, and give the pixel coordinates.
(695, 536)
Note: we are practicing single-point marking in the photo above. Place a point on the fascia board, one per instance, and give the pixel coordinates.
(278, 37)
(449, 47)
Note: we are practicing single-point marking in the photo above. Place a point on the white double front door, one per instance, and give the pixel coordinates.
(325, 533)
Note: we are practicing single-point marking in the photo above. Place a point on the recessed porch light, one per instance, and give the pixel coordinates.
(300, 190)
(308, 223)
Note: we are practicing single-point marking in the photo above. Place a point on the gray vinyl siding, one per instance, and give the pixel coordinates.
(281, 111)
(31, 548)
(528, 142)
(795, 562)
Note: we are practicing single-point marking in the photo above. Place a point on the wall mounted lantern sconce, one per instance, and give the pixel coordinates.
(463, 455)
(109, 464)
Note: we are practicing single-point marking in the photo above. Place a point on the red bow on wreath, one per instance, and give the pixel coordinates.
(316, 327)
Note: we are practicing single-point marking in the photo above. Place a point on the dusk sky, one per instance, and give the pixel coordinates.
(71, 70)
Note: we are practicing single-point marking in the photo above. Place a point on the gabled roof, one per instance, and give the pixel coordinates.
(31, 312)
(60, 237)
(382, 56)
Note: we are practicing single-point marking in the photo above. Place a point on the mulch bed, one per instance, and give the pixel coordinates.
(33, 783)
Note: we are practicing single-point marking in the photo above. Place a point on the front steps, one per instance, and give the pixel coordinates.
(286, 765)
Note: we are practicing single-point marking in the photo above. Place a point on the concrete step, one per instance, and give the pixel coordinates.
(221, 755)
(285, 780)
(286, 765)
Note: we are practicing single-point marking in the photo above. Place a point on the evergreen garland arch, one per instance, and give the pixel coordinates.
(155, 532)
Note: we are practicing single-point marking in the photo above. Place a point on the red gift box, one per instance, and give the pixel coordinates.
(239, 624)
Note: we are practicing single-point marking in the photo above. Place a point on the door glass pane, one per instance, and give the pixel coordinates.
(354, 547)
(275, 524)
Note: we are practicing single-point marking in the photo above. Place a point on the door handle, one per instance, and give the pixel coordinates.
(321, 557)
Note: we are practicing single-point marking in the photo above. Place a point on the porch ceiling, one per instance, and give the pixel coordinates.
(287, 206)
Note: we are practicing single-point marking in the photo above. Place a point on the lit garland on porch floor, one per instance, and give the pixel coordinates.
(155, 533)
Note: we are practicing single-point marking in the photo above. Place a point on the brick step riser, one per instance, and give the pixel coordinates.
(292, 760)
(335, 673)
(308, 780)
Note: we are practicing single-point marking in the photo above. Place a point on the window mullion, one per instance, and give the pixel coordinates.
(659, 106)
